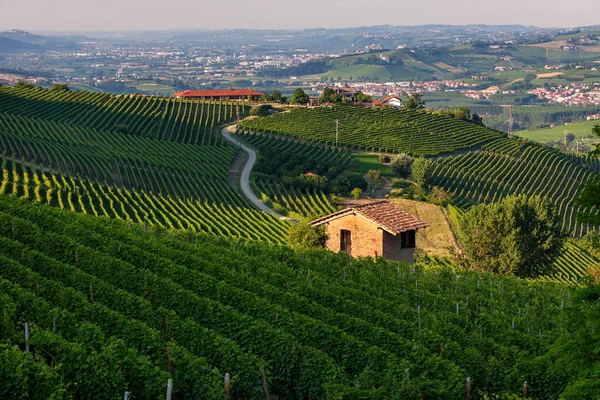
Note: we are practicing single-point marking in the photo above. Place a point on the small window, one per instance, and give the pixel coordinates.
(346, 241)
(408, 239)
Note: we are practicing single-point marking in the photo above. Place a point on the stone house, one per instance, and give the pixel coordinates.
(377, 229)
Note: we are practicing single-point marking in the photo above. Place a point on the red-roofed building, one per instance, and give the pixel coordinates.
(392, 101)
(377, 229)
(227, 94)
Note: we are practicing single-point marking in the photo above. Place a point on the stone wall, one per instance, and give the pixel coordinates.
(392, 249)
(367, 238)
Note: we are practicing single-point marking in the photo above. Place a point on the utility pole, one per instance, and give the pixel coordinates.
(337, 131)
(511, 120)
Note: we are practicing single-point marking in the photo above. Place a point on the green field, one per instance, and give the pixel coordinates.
(579, 129)
(367, 162)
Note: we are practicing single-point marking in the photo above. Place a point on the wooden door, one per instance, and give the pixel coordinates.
(346, 241)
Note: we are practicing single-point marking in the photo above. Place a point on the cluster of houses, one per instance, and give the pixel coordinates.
(573, 94)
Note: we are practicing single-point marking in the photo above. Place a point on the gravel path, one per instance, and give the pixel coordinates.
(245, 179)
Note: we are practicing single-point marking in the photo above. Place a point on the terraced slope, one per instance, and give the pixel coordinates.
(304, 202)
(376, 129)
(167, 118)
(321, 325)
(507, 167)
(174, 178)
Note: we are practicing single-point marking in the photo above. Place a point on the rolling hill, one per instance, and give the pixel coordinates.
(192, 308)
(135, 264)
(149, 160)
(476, 164)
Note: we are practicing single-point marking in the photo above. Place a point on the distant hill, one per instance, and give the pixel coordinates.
(8, 45)
(40, 42)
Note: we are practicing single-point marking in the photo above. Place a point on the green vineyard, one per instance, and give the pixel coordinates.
(305, 202)
(174, 177)
(376, 129)
(167, 118)
(508, 167)
(321, 325)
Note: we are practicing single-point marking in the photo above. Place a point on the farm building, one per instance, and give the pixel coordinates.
(227, 94)
(393, 101)
(374, 229)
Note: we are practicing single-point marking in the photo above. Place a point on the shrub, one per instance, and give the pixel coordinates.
(356, 193)
(400, 164)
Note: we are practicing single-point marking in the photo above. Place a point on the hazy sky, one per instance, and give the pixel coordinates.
(81, 15)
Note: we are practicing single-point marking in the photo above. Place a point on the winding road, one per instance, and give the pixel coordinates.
(245, 179)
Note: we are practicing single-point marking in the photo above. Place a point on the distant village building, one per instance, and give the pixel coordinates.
(593, 117)
(392, 101)
(377, 229)
(228, 94)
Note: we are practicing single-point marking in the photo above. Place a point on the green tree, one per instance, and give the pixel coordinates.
(305, 236)
(329, 96)
(364, 98)
(476, 119)
(414, 102)
(420, 171)
(276, 96)
(376, 180)
(24, 85)
(60, 87)
(400, 164)
(356, 193)
(300, 97)
(520, 235)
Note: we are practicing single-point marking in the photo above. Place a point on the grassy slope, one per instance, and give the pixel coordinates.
(437, 238)
(579, 129)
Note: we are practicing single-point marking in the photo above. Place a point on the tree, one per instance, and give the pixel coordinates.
(476, 119)
(356, 193)
(376, 180)
(329, 96)
(439, 196)
(363, 98)
(415, 102)
(300, 97)
(569, 138)
(518, 236)
(276, 96)
(400, 164)
(60, 87)
(305, 236)
(24, 85)
(420, 171)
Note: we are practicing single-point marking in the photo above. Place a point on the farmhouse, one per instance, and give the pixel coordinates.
(374, 229)
(393, 101)
(228, 94)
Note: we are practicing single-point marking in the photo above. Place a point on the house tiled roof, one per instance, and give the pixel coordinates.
(387, 216)
(218, 93)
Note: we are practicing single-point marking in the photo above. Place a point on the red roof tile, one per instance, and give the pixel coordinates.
(218, 93)
(387, 216)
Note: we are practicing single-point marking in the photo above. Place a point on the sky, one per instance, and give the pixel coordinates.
(110, 15)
